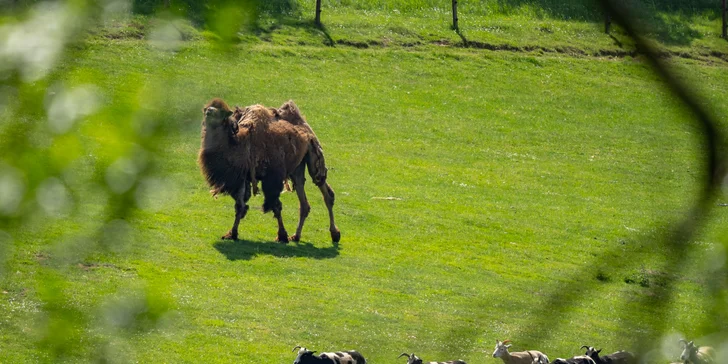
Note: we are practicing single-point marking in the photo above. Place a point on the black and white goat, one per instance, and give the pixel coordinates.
(581, 359)
(696, 355)
(306, 356)
(619, 357)
(414, 359)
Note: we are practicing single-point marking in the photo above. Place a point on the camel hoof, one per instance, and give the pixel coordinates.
(230, 236)
(336, 236)
(295, 238)
(282, 238)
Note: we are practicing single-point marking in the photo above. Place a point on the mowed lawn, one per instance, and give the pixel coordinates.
(480, 195)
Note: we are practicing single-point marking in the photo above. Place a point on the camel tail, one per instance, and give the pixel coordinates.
(331, 193)
(317, 164)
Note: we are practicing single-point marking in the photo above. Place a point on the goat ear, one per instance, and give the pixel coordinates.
(508, 346)
(599, 351)
(227, 114)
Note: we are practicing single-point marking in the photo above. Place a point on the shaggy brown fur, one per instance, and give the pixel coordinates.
(289, 112)
(257, 144)
(222, 151)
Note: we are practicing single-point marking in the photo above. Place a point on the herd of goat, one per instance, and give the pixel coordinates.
(691, 354)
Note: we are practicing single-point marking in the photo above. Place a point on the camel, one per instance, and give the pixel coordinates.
(240, 148)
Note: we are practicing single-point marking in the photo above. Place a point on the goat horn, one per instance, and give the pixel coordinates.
(683, 341)
(294, 349)
(506, 341)
(585, 347)
(403, 354)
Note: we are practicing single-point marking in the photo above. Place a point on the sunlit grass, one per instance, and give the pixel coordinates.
(474, 190)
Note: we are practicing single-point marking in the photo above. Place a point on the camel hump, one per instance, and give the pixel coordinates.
(239, 114)
(256, 115)
(290, 106)
(290, 112)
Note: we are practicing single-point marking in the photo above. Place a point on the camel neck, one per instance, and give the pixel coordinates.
(215, 139)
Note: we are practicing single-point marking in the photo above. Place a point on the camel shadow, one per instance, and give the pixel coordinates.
(249, 249)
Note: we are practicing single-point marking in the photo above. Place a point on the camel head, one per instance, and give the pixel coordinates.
(216, 113)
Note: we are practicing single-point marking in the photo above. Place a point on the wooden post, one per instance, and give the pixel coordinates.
(608, 22)
(455, 15)
(725, 22)
(318, 12)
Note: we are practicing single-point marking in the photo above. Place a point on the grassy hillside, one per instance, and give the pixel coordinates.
(688, 29)
(481, 195)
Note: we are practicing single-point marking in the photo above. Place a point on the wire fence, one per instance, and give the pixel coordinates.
(645, 11)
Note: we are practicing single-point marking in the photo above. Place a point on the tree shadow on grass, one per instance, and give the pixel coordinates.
(668, 21)
(249, 249)
(674, 30)
(265, 31)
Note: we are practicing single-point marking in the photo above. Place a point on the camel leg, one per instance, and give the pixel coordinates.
(299, 180)
(317, 171)
(328, 194)
(272, 188)
(241, 208)
(282, 233)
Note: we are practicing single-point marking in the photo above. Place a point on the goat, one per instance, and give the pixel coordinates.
(306, 356)
(619, 357)
(696, 355)
(581, 359)
(414, 359)
(520, 357)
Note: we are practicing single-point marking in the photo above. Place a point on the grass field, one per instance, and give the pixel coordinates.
(481, 195)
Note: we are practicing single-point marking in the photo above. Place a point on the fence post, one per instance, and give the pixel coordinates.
(725, 23)
(318, 12)
(608, 22)
(455, 15)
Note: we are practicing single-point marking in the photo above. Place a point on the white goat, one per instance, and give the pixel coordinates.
(520, 357)
(697, 355)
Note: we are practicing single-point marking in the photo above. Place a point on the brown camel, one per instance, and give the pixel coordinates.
(257, 144)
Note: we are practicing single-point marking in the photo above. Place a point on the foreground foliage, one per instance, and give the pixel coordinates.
(481, 195)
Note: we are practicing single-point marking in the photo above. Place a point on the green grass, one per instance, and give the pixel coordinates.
(689, 29)
(532, 191)
(553, 26)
